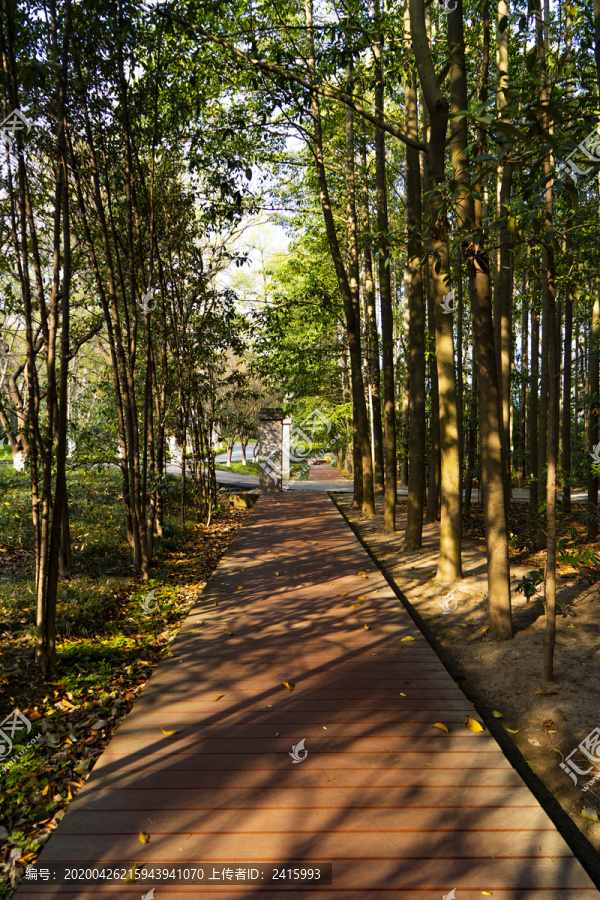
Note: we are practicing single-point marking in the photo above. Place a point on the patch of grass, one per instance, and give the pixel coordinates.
(251, 468)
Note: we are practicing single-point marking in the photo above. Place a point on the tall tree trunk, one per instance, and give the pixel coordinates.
(534, 397)
(416, 311)
(352, 326)
(483, 338)
(523, 467)
(385, 288)
(372, 341)
(449, 563)
(548, 273)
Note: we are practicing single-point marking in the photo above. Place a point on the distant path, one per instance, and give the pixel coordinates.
(202, 765)
(328, 473)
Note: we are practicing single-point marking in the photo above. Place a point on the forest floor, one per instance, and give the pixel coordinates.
(545, 722)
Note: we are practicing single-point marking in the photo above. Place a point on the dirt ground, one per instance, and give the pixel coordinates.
(545, 722)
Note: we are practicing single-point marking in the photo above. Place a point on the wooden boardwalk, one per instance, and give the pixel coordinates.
(401, 808)
(325, 472)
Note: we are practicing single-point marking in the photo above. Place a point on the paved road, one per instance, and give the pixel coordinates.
(236, 455)
(403, 810)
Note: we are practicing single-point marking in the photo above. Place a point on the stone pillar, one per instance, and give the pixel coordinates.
(287, 431)
(271, 454)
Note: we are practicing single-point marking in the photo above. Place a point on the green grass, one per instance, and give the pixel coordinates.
(251, 468)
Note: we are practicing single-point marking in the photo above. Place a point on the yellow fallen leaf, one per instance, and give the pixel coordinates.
(441, 725)
(69, 795)
(168, 733)
(46, 789)
(276, 734)
(552, 732)
(474, 725)
(289, 685)
(344, 594)
(360, 597)
(218, 697)
(143, 837)
(497, 715)
(487, 893)
(240, 587)
(402, 695)
(367, 627)
(546, 693)
(131, 874)
(269, 705)
(363, 574)
(354, 606)
(409, 638)
(325, 728)
(513, 730)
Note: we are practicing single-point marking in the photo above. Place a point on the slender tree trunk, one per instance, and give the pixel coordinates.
(352, 326)
(416, 311)
(523, 468)
(372, 341)
(449, 563)
(534, 400)
(385, 290)
(548, 272)
(483, 338)
(543, 432)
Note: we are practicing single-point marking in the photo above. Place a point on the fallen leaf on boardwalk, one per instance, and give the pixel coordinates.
(474, 725)
(229, 632)
(360, 597)
(269, 705)
(363, 574)
(552, 731)
(497, 715)
(546, 693)
(143, 837)
(276, 734)
(168, 733)
(277, 573)
(513, 730)
(289, 685)
(325, 728)
(590, 812)
(330, 779)
(354, 606)
(441, 725)
(344, 594)
(218, 697)
(402, 695)
(487, 893)
(409, 638)
(240, 587)
(131, 876)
